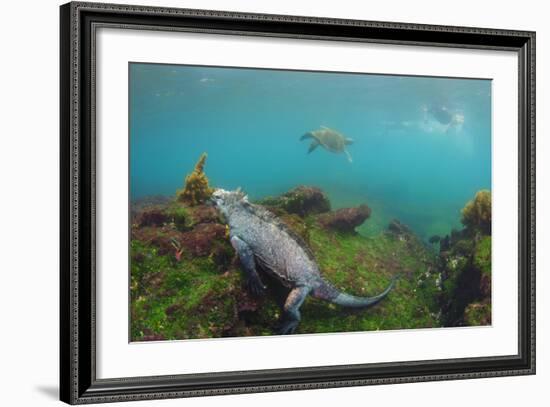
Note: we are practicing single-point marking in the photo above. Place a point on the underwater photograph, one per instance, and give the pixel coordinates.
(273, 202)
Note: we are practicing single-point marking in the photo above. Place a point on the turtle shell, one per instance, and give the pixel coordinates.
(330, 139)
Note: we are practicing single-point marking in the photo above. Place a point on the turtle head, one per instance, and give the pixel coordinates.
(348, 141)
(225, 200)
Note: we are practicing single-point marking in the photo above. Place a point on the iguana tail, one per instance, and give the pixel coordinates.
(328, 293)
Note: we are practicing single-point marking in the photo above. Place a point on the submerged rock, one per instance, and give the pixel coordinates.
(346, 219)
(186, 281)
(302, 200)
(399, 229)
(162, 238)
(434, 239)
(180, 236)
(201, 240)
(476, 215)
(152, 216)
(465, 257)
(140, 204)
(477, 314)
(204, 214)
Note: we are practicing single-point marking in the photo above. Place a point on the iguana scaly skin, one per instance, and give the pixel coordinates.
(263, 242)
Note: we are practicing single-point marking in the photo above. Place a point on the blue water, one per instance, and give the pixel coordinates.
(408, 161)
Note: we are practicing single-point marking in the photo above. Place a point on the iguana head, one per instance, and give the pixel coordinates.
(225, 201)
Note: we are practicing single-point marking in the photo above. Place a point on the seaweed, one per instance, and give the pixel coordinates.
(476, 215)
(196, 189)
(466, 266)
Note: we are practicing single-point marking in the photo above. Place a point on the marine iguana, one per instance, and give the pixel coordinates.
(263, 242)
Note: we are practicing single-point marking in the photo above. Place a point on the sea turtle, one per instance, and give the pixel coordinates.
(330, 139)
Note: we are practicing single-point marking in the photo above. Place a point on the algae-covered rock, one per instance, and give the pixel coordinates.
(203, 214)
(196, 189)
(178, 214)
(152, 216)
(398, 229)
(476, 215)
(477, 314)
(466, 267)
(302, 200)
(140, 204)
(185, 217)
(161, 238)
(186, 281)
(461, 286)
(201, 239)
(434, 239)
(482, 261)
(345, 219)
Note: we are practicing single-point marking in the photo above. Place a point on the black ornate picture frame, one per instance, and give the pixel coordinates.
(78, 381)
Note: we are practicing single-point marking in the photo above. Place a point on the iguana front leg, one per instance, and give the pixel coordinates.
(246, 256)
(291, 316)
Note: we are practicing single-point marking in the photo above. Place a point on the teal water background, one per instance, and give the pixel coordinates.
(407, 164)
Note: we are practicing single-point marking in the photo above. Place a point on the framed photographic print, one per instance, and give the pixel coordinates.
(256, 203)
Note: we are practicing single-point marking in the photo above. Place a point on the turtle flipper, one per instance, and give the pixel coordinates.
(314, 144)
(306, 136)
(348, 155)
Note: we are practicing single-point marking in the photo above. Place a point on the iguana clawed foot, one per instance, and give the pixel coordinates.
(255, 286)
(291, 310)
(286, 327)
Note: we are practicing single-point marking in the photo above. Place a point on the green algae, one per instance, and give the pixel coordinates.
(476, 214)
(467, 269)
(364, 266)
(187, 284)
(178, 215)
(477, 314)
(193, 298)
(482, 255)
(178, 300)
(196, 189)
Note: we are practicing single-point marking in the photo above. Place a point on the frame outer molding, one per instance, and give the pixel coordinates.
(78, 384)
